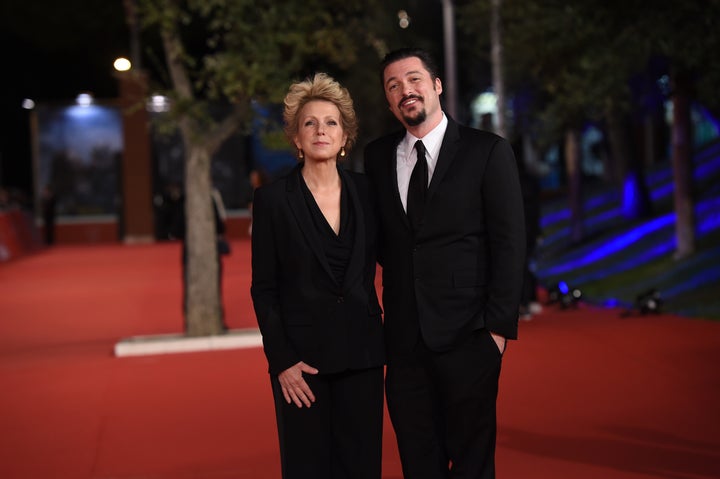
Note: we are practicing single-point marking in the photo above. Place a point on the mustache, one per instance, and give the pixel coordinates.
(409, 97)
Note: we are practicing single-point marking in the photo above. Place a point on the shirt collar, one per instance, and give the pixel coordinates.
(432, 141)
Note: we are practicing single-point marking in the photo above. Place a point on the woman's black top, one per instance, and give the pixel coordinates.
(337, 248)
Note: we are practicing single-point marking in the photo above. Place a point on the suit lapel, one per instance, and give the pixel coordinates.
(296, 203)
(357, 256)
(391, 163)
(448, 149)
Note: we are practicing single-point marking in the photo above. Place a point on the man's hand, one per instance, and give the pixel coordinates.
(294, 387)
(500, 341)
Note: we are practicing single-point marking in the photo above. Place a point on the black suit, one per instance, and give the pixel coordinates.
(444, 289)
(305, 315)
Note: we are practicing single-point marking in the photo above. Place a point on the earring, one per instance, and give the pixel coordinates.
(300, 154)
(342, 151)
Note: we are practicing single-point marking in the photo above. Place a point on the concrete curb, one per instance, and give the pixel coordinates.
(179, 343)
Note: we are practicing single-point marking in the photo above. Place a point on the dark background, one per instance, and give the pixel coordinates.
(52, 51)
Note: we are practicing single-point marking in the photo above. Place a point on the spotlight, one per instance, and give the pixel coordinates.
(649, 302)
(122, 64)
(403, 19)
(158, 103)
(563, 294)
(84, 99)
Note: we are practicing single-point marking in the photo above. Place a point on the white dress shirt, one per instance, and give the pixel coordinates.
(407, 156)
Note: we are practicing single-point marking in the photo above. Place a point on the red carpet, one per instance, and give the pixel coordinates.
(585, 394)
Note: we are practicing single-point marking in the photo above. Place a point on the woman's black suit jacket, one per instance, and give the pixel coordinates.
(303, 313)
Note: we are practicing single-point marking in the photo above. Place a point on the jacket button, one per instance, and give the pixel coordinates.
(340, 299)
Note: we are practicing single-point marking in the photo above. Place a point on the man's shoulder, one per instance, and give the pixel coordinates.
(475, 134)
(356, 177)
(377, 151)
(386, 141)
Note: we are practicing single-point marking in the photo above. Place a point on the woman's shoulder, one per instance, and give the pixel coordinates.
(277, 185)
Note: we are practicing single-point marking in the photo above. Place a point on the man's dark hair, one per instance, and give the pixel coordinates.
(403, 53)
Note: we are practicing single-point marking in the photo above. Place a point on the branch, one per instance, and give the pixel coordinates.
(174, 54)
(227, 127)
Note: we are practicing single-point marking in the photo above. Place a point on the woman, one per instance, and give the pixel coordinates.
(313, 270)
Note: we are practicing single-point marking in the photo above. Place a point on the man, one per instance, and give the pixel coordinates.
(452, 274)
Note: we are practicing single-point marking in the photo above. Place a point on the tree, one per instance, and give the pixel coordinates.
(236, 52)
(559, 45)
(686, 34)
(583, 57)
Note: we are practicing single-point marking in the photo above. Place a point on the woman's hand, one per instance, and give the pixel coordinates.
(294, 387)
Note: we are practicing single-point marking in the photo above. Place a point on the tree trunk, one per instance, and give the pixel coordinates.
(619, 149)
(203, 310)
(450, 89)
(574, 176)
(649, 141)
(629, 167)
(682, 168)
(203, 304)
(203, 316)
(498, 76)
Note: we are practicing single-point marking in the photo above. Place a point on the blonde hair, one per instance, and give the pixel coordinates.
(320, 87)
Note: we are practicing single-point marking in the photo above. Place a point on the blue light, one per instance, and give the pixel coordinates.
(688, 284)
(611, 303)
(613, 246)
(708, 220)
(660, 183)
(631, 196)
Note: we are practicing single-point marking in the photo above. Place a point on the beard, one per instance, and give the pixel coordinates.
(417, 119)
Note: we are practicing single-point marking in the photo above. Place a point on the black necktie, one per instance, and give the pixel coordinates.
(417, 188)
